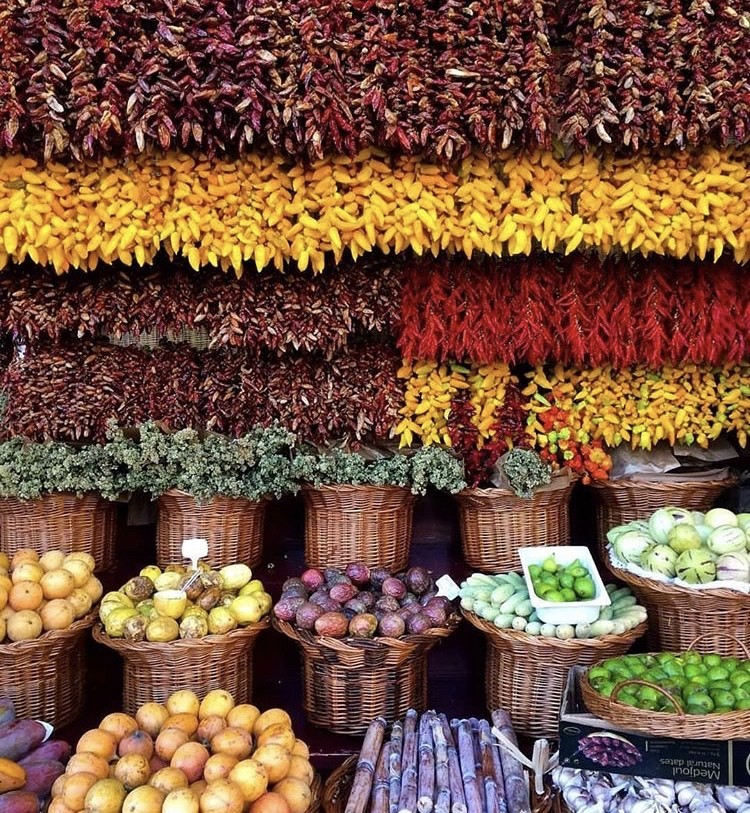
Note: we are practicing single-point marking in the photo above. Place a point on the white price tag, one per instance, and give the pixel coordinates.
(194, 549)
(447, 587)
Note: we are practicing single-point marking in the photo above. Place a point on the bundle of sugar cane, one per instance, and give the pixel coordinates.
(432, 765)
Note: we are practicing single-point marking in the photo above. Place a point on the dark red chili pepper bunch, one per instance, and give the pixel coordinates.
(302, 77)
(661, 73)
(70, 390)
(478, 454)
(270, 311)
(578, 310)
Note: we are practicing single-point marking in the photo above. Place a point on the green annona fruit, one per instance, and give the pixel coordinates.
(696, 567)
(660, 559)
(683, 537)
(726, 539)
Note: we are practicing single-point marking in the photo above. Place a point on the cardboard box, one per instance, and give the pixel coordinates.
(721, 762)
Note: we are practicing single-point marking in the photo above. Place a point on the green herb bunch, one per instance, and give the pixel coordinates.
(253, 466)
(526, 471)
(30, 470)
(429, 466)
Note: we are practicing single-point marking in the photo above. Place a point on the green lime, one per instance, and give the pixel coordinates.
(656, 676)
(730, 664)
(692, 658)
(696, 710)
(740, 693)
(568, 594)
(647, 694)
(712, 660)
(699, 680)
(698, 700)
(739, 677)
(566, 580)
(598, 673)
(585, 588)
(549, 565)
(717, 673)
(627, 697)
(534, 571)
(743, 704)
(723, 709)
(638, 668)
(720, 685)
(542, 589)
(692, 670)
(554, 595)
(605, 687)
(578, 572)
(672, 668)
(722, 698)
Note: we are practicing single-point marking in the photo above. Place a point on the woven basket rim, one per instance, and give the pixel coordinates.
(178, 492)
(354, 645)
(184, 644)
(489, 493)
(51, 638)
(55, 495)
(357, 489)
(674, 590)
(659, 721)
(663, 484)
(540, 642)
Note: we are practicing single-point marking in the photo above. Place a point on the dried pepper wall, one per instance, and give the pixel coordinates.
(473, 224)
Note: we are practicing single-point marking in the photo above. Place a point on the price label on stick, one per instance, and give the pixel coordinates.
(194, 549)
(447, 587)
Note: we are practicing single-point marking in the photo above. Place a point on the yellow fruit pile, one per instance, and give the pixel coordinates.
(685, 405)
(188, 755)
(40, 594)
(264, 210)
(430, 388)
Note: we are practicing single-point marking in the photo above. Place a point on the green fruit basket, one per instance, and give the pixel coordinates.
(722, 725)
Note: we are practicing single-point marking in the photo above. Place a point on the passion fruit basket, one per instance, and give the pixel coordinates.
(61, 521)
(347, 683)
(719, 617)
(45, 678)
(728, 725)
(526, 674)
(152, 671)
(495, 521)
(233, 527)
(339, 784)
(363, 523)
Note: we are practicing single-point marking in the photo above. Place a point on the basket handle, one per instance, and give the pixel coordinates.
(742, 644)
(635, 681)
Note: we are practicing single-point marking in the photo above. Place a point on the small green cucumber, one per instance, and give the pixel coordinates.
(533, 628)
(510, 605)
(467, 603)
(601, 627)
(565, 632)
(583, 630)
(606, 614)
(525, 608)
(501, 594)
(503, 620)
(519, 623)
(548, 630)
(490, 613)
(623, 603)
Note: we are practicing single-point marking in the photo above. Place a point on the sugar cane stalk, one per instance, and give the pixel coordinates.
(474, 723)
(426, 788)
(458, 798)
(407, 802)
(394, 766)
(486, 747)
(381, 787)
(466, 760)
(497, 768)
(359, 795)
(516, 790)
(442, 770)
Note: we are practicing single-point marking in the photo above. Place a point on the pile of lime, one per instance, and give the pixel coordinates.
(555, 582)
(702, 684)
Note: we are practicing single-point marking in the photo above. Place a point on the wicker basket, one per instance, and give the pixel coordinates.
(232, 526)
(348, 683)
(152, 671)
(339, 784)
(678, 615)
(496, 522)
(60, 521)
(526, 674)
(621, 501)
(730, 725)
(46, 678)
(370, 524)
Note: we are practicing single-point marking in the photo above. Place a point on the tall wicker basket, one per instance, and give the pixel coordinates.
(152, 671)
(348, 683)
(46, 677)
(495, 522)
(233, 527)
(718, 618)
(60, 521)
(370, 524)
(526, 674)
(622, 501)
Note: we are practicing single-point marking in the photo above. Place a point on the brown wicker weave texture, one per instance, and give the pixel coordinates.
(339, 784)
(731, 725)
(496, 522)
(232, 526)
(678, 615)
(46, 678)
(60, 521)
(526, 674)
(152, 671)
(621, 501)
(348, 683)
(370, 524)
